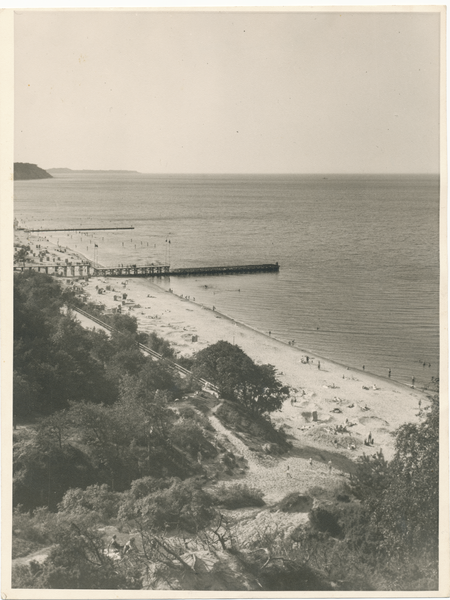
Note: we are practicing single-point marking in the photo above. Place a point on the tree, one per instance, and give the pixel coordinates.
(371, 477)
(54, 359)
(44, 469)
(239, 379)
(408, 510)
(22, 253)
(107, 443)
(401, 502)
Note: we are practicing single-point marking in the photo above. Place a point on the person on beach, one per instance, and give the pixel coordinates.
(288, 473)
(364, 367)
(318, 365)
(389, 374)
(310, 462)
(413, 381)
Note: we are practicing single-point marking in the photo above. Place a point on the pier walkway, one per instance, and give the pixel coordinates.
(231, 270)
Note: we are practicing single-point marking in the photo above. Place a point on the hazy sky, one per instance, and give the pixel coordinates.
(180, 92)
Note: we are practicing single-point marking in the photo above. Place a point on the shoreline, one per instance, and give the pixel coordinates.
(369, 403)
(311, 353)
(151, 282)
(357, 400)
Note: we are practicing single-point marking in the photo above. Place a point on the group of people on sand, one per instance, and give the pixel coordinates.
(120, 549)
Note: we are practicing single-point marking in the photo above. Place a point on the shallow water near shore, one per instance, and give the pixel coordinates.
(359, 256)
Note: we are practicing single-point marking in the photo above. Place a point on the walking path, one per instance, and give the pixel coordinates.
(277, 477)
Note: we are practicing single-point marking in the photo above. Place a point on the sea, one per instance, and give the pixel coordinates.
(358, 254)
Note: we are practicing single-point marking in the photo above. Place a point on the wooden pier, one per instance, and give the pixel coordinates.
(88, 269)
(230, 270)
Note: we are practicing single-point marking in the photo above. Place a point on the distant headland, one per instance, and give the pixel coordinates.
(65, 170)
(29, 171)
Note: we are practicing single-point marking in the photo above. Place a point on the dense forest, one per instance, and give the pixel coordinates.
(107, 439)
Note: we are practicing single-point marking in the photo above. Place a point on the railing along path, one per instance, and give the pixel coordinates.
(170, 363)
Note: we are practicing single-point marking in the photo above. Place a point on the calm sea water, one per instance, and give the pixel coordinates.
(359, 255)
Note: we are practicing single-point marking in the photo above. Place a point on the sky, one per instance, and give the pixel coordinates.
(228, 92)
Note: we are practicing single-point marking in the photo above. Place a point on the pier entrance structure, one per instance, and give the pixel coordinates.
(131, 271)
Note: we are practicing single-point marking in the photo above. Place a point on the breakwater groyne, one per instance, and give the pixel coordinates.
(75, 229)
(89, 269)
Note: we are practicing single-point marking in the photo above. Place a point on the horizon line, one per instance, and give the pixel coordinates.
(322, 173)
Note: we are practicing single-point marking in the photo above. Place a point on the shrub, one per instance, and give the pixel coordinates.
(32, 531)
(186, 412)
(325, 520)
(148, 485)
(257, 427)
(95, 498)
(189, 435)
(160, 345)
(183, 506)
(238, 496)
(340, 492)
(185, 361)
(295, 502)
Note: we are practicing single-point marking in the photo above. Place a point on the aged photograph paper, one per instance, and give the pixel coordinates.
(224, 303)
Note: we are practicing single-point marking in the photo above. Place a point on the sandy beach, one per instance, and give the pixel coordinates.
(350, 404)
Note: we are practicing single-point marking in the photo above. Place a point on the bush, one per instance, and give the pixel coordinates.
(340, 492)
(160, 345)
(325, 520)
(148, 485)
(95, 498)
(238, 496)
(189, 435)
(183, 506)
(185, 361)
(257, 427)
(295, 502)
(32, 531)
(186, 412)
